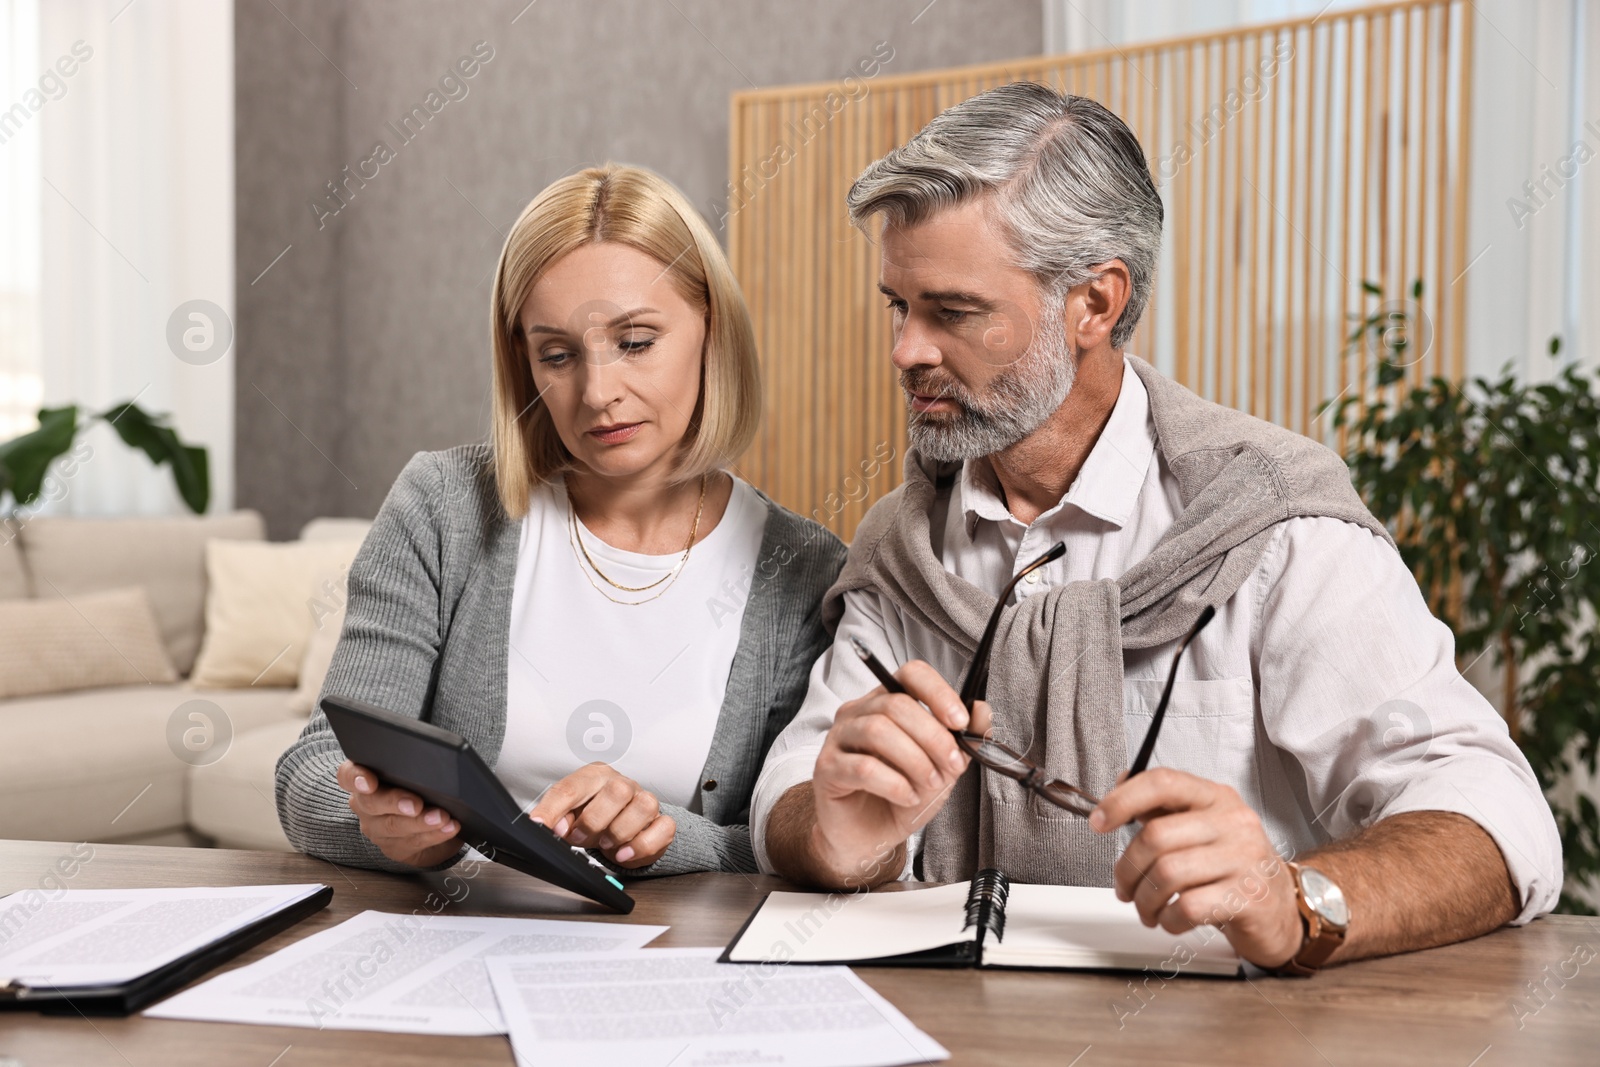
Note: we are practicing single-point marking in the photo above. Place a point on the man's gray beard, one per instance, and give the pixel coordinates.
(1015, 404)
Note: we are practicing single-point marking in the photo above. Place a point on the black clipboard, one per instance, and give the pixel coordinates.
(445, 770)
(125, 998)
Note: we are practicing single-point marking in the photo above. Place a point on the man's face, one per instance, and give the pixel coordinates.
(982, 359)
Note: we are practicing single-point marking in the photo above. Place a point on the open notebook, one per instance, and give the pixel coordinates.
(989, 923)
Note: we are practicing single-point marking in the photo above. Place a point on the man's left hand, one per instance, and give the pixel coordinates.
(1202, 858)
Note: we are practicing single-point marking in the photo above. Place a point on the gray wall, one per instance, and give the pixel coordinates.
(368, 340)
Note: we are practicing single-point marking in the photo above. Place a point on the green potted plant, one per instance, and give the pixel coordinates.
(25, 460)
(1492, 489)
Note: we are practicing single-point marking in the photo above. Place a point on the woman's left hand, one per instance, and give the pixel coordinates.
(597, 807)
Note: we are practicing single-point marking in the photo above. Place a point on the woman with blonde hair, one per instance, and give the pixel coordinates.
(617, 623)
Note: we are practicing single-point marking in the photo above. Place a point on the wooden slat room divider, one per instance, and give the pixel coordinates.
(1296, 160)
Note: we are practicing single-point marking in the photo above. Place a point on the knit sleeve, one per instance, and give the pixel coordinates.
(386, 656)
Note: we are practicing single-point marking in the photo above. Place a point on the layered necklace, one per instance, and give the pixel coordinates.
(666, 581)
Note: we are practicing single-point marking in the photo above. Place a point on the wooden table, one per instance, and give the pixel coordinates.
(1453, 1006)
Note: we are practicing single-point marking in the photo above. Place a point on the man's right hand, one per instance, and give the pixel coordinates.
(885, 769)
(399, 822)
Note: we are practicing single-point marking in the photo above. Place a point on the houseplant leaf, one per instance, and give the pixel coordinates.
(150, 435)
(24, 460)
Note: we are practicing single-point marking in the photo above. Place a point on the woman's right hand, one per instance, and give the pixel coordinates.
(398, 822)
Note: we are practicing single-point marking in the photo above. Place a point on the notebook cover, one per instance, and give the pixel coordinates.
(128, 997)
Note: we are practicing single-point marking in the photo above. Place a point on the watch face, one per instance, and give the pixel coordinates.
(1325, 898)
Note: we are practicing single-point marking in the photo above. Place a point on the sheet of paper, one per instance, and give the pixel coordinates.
(654, 1007)
(819, 927)
(1083, 926)
(407, 974)
(106, 936)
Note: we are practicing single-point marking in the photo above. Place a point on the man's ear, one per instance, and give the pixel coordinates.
(1093, 308)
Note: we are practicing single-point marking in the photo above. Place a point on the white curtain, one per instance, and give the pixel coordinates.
(19, 217)
(137, 222)
(1536, 90)
(1087, 25)
(1532, 274)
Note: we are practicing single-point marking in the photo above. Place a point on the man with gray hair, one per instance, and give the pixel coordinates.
(1326, 785)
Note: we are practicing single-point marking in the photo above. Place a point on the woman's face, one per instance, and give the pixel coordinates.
(616, 355)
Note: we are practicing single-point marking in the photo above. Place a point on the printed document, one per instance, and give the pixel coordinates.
(409, 974)
(657, 1006)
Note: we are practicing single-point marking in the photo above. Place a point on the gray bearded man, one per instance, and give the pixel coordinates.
(1326, 785)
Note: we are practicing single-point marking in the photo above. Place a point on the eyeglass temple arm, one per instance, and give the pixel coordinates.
(977, 683)
(1147, 749)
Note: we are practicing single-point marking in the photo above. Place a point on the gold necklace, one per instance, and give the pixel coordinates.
(576, 538)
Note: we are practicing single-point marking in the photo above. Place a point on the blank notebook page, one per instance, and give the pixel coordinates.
(819, 928)
(1081, 926)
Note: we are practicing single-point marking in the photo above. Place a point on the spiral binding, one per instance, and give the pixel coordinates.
(986, 904)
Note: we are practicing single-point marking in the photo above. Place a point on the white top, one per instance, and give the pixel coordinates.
(1324, 691)
(638, 686)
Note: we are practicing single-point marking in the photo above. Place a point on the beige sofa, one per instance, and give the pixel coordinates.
(108, 764)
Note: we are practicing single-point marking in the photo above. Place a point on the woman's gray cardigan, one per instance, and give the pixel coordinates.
(426, 633)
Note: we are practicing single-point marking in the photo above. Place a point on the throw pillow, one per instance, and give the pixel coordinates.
(57, 645)
(263, 602)
(319, 657)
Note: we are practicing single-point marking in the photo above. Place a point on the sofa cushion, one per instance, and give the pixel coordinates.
(232, 800)
(67, 556)
(13, 576)
(319, 650)
(263, 601)
(107, 764)
(335, 530)
(319, 654)
(89, 641)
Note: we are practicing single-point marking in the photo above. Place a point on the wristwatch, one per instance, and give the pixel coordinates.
(1324, 913)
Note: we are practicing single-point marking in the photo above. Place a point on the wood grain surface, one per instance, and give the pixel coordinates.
(1467, 1005)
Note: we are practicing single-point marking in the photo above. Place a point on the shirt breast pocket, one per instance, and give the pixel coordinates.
(1209, 730)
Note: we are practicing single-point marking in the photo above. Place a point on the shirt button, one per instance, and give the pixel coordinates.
(710, 784)
(1032, 578)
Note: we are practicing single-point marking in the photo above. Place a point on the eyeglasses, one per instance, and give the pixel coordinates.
(1001, 758)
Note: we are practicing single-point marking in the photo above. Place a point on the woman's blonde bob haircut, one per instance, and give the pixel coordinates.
(640, 209)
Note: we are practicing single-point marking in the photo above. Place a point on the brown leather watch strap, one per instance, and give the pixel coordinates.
(1320, 940)
(1314, 950)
